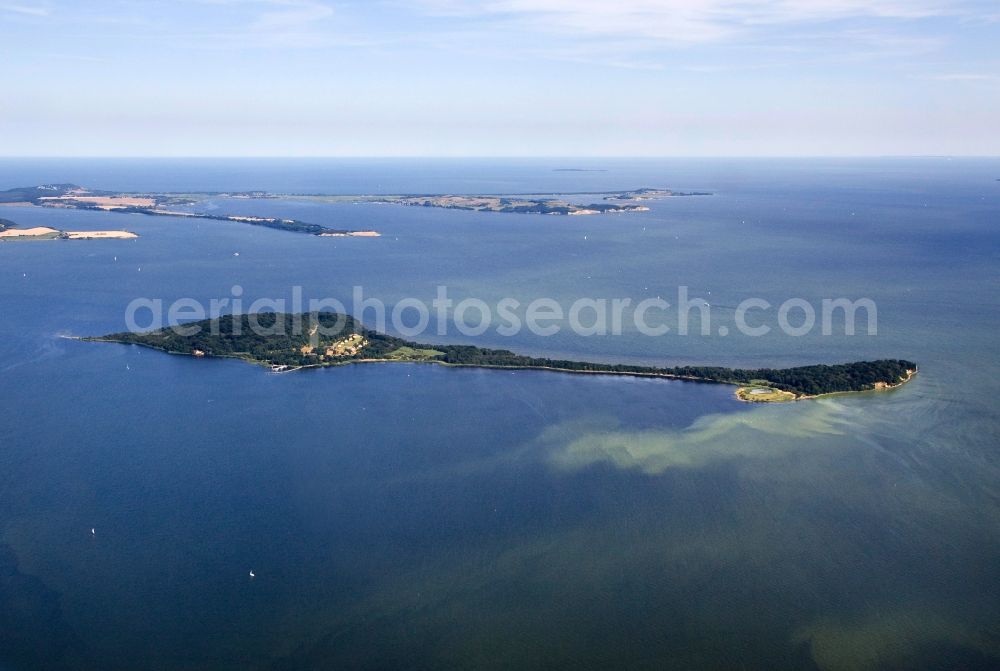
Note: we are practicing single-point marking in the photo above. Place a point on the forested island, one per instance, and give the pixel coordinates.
(286, 342)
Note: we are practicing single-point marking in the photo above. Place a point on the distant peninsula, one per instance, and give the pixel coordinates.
(285, 342)
(72, 196)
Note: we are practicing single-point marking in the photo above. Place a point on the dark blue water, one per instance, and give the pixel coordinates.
(409, 516)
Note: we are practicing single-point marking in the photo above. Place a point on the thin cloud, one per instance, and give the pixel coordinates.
(290, 17)
(291, 24)
(26, 10)
(684, 21)
(644, 34)
(963, 77)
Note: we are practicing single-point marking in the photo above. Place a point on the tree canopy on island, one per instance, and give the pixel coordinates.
(34, 194)
(299, 340)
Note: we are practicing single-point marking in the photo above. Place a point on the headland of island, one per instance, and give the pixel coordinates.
(286, 342)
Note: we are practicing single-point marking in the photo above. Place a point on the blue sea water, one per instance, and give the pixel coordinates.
(411, 516)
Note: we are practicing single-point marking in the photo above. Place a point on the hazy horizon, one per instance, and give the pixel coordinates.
(492, 78)
(485, 157)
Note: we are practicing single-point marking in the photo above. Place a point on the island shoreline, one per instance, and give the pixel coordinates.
(740, 387)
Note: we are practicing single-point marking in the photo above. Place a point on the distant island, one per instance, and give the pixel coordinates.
(526, 204)
(509, 204)
(330, 339)
(652, 194)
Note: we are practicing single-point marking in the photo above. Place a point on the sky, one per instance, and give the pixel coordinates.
(499, 77)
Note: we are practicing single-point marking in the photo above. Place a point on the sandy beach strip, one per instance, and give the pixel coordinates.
(100, 235)
(103, 202)
(352, 234)
(35, 232)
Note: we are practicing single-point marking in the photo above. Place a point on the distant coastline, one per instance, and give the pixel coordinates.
(168, 204)
(72, 196)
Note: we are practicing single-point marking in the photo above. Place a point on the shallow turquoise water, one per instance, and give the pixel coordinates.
(408, 516)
